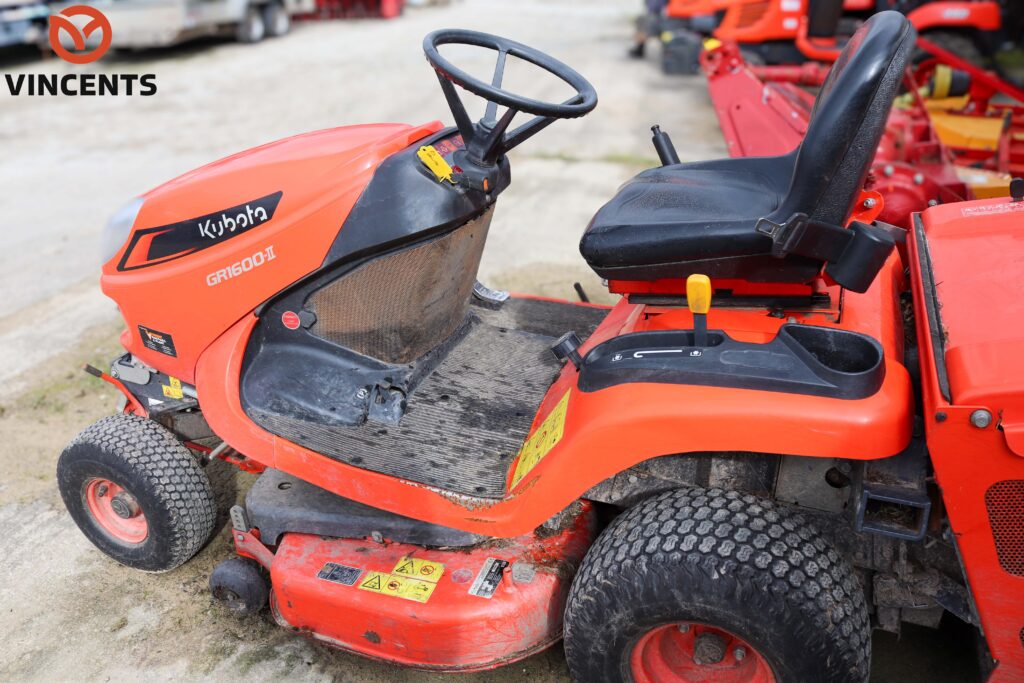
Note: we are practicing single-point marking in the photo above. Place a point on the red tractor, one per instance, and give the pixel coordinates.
(798, 424)
(792, 31)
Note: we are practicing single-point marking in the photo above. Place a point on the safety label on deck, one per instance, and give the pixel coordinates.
(543, 439)
(488, 578)
(339, 573)
(412, 579)
(398, 586)
(419, 569)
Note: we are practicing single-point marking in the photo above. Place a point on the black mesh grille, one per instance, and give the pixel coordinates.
(1005, 503)
(397, 307)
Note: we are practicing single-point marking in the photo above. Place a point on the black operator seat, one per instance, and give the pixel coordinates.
(673, 221)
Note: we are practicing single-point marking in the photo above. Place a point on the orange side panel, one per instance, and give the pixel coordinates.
(613, 429)
(977, 255)
(968, 462)
(684, 9)
(756, 21)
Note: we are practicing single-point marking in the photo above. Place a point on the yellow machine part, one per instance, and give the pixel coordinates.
(985, 184)
(960, 131)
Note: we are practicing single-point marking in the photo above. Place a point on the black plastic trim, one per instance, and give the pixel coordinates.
(931, 306)
(802, 359)
(279, 503)
(402, 205)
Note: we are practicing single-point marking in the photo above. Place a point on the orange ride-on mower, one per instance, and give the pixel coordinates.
(793, 31)
(796, 425)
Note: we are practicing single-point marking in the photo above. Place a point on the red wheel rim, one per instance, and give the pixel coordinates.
(116, 511)
(696, 653)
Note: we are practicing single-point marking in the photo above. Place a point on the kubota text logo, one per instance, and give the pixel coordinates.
(96, 22)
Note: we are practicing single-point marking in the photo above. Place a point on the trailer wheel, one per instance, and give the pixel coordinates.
(252, 28)
(137, 493)
(239, 584)
(276, 20)
(701, 584)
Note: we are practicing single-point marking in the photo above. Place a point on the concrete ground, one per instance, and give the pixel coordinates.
(66, 611)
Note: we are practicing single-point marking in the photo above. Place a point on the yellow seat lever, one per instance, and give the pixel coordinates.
(698, 299)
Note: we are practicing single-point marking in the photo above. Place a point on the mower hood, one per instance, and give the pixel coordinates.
(213, 244)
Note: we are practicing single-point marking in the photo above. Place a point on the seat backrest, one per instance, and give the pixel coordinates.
(848, 120)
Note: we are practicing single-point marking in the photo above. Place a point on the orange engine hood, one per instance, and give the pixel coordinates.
(211, 245)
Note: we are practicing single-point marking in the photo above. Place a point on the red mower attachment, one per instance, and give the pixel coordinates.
(428, 608)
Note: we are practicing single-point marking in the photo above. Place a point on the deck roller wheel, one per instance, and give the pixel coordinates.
(238, 582)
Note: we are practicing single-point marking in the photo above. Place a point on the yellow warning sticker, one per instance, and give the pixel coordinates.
(433, 160)
(420, 569)
(543, 439)
(173, 388)
(398, 586)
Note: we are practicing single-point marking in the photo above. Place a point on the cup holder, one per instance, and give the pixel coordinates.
(837, 350)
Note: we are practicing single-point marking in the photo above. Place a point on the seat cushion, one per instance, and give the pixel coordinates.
(672, 221)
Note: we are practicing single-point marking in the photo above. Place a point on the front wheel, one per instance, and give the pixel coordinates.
(702, 585)
(137, 493)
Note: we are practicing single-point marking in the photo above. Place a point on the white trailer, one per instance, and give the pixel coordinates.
(137, 24)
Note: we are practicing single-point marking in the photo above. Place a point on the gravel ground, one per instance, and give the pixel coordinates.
(67, 612)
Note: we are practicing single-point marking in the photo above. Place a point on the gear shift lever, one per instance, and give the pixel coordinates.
(698, 299)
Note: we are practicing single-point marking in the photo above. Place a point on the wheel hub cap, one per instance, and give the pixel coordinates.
(115, 511)
(124, 505)
(696, 653)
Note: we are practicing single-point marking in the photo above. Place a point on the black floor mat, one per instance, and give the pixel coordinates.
(467, 420)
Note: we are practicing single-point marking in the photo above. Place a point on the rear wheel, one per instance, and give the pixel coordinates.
(137, 493)
(276, 20)
(696, 585)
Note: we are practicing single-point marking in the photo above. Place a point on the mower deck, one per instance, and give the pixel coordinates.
(467, 419)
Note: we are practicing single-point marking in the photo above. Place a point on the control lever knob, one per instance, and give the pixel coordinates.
(664, 147)
(565, 349)
(1017, 189)
(698, 300)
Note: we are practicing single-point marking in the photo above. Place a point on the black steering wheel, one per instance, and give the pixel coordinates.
(487, 139)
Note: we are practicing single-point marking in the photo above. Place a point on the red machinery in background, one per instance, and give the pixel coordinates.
(793, 31)
(356, 9)
(935, 150)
